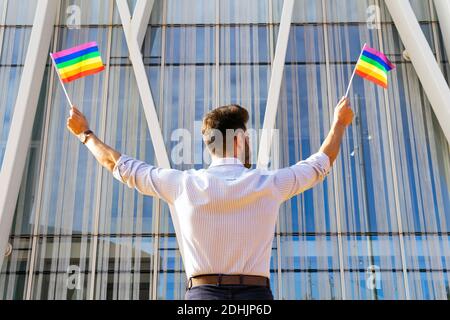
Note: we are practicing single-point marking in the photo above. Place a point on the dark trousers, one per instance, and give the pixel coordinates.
(229, 292)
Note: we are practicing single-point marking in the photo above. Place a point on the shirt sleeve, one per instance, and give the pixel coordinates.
(302, 176)
(147, 179)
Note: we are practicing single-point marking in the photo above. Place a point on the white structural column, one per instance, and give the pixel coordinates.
(141, 17)
(275, 84)
(132, 31)
(423, 60)
(443, 12)
(23, 118)
(135, 29)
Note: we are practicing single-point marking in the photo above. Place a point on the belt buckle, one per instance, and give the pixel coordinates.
(189, 284)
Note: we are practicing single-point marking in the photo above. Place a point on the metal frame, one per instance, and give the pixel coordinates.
(217, 55)
(130, 28)
(336, 185)
(423, 60)
(443, 13)
(135, 29)
(101, 133)
(276, 79)
(394, 178)
(42, 161)
(141, 18)
(23, 119)
(277, 227)
(157, 202)
(3, 19)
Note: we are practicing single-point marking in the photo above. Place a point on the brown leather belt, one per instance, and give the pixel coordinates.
(223, 279)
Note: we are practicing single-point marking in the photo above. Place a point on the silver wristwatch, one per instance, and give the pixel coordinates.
(84, 136)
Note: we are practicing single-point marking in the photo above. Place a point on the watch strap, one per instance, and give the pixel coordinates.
(86, 134)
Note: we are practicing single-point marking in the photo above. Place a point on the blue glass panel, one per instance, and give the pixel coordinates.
(76, 13)
(305, 11)
(302, 122)
(348, 10)
(249, 11)
(62, 268)
(244, 44)
(306, 45)
(124, 268)
(14, 272)
(190, 45)
(373, 267)
(191, 11)
(18, 12)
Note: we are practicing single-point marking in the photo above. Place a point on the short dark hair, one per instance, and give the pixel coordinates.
(224, 118)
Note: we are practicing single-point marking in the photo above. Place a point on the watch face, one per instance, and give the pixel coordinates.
(84, 136)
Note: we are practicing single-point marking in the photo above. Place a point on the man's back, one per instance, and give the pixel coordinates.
(225, 215)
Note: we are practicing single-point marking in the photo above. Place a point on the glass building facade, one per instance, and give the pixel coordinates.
(377, 228)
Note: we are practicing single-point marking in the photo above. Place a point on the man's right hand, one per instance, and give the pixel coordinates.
(343, 114)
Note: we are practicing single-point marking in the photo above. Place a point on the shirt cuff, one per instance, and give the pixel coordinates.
(119, 167)
(322, 164)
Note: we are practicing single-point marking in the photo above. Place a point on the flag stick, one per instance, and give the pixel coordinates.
(60, 80)
(354, 72)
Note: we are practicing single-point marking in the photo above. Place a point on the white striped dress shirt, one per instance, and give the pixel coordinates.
(224, 216)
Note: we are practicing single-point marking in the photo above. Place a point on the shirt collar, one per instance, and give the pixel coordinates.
(226, 161)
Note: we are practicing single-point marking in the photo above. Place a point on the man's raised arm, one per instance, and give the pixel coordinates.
(343, 117)
(304, 175)
(147, 179)
(105, 155)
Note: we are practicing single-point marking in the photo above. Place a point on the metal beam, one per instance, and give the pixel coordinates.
(443, 12)
(141, 17)
(423, 60)
(134, 29)
(23, 119)
(142, 80)
(275, 84)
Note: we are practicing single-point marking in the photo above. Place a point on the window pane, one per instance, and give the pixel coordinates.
(62, 268)
(381, 285)
(305, 11)
(125, 210)
(14, 272)
(303, 121)
(310, 268)
(171, 277)
(249, 11)
(75, 13)
(124, 268)
(191, 11)
(190, 45)
(424, 196)
(244, 44)
(373, 268)
(12, 56)
(348, 10)
(70, 185)
(19, 12)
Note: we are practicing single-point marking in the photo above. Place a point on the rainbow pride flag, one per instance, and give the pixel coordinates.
(374, 66)
(78, 62)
